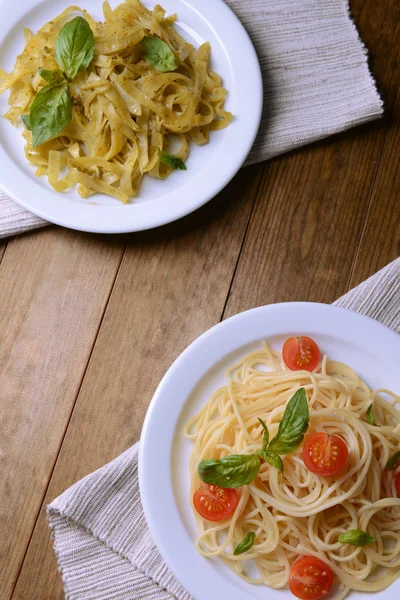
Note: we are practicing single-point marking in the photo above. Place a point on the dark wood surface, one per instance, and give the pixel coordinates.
(90, 324)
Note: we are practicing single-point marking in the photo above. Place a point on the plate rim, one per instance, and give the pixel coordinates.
(143, 216)
(194, 583)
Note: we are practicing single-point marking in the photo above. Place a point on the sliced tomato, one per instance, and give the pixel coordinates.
(310, 578)
(215, 503)
(324, 454)
(397, 484)
(301, 353)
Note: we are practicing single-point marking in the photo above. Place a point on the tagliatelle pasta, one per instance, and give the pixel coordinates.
(298, 512)
(124, 110)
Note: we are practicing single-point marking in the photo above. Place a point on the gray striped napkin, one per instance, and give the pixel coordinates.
(103, 545)
(316, 81)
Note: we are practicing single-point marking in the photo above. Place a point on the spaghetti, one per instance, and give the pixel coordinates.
(300, 513)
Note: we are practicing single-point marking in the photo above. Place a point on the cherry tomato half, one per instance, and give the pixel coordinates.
(310, 578)
(215, 503)
(397, 484)
(300, 353)
(324, 454)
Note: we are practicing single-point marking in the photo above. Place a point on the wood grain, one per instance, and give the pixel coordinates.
(379, 26)
(302, 239)
(304, 230)
(172, 286)
(380, 242)
(3, 246)
(308, 218)
(54, 285)
(381, 233)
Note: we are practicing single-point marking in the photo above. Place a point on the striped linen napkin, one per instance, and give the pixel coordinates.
(316, 81)
(103, 545)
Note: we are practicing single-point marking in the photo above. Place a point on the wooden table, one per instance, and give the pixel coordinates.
(89, 324)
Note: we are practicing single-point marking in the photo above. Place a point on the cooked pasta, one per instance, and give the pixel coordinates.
(300, 513)
(124, 110)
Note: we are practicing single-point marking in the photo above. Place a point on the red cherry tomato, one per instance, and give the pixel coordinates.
(300, 353)
(310, 578)
(215, 503)
(397, 484)
(324, 454)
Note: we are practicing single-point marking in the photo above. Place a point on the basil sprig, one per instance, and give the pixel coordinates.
(293, 426)
(55, 77)
(230, 471)
(26, 121)
(245, 544)
(74, 47)
(356, 537)
(51, 110)
(291, 431)
(241, 469)
(158, 54)
(392, 462)
(273, 459)
(269, 456)
(171, 160)
(265, 435)
(370, 415)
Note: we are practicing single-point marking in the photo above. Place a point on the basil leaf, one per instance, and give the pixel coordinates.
(50, 112)
(26, 121)
(55, 77)
(245, 544)
(370, 416)
(273, 459)
(74, 47)
(171, 160)
(356, 537)
(230, 471)
(158, 54)
(392, 462)
(293, 425)
(265, 436)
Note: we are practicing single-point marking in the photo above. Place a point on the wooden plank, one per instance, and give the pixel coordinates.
(128, 390)
(3, 246)
(380, 238)
(304, 230)
(379, 26)
(309, 215)
(171, 287)
(54, 285)
(380, 242)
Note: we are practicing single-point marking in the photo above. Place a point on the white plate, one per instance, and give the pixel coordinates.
(371, 349)
(209, 168)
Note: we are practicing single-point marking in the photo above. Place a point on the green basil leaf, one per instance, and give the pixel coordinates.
(230, 471)
(74, 47)
(293, 425)
(50, 112)
(245, 544)
(273, 459)
(171, 160)
(266, 434)
(55, 77)
(392, 462)
(26, 121)
(370, 416)
(158, 54)
(356, 537)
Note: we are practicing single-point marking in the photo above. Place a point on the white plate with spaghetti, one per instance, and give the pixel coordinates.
(135, 133)
(333, 429)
